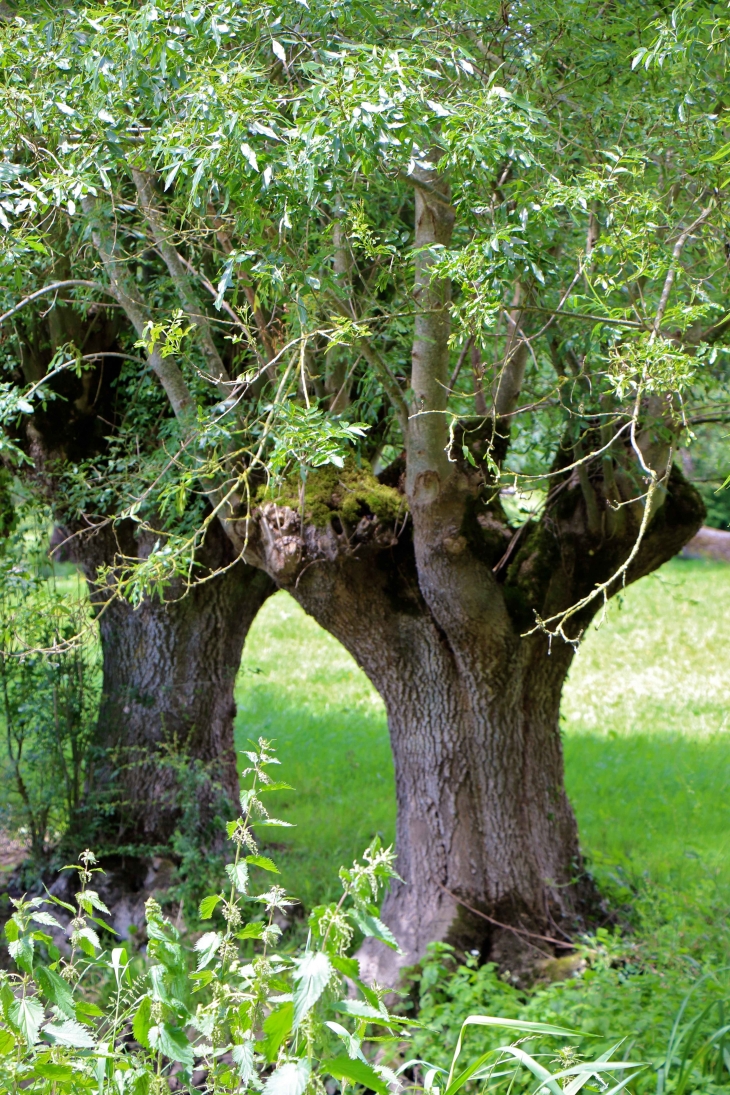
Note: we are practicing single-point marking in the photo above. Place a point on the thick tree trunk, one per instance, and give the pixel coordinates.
(436, 616)
(165, 724)
(484, 823)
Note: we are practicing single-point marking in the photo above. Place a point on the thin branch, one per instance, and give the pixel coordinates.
(426, 187)
(146, 194)
(70, 283)
(507, 927)
(672, 272)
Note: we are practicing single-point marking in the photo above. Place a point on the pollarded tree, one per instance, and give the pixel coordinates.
(169, 662)
(485, 235)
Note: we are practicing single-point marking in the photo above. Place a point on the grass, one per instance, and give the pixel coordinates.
(646, 721)
(646, 725)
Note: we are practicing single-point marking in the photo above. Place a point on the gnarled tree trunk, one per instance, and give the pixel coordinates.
(166, 718)
(437, 616)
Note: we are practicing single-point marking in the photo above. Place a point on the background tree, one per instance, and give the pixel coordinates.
(168, 663)
(483, 234)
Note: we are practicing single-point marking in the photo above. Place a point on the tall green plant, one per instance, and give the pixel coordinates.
(248, 1016)
(49, 696)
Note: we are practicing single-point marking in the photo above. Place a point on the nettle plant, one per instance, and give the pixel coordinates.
(234, 1014)
(239, 1011)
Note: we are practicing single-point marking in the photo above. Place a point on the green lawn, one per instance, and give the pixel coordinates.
(647, 737)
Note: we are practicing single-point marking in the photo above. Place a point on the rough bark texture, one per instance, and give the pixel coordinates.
(435, 615)
(169, 670)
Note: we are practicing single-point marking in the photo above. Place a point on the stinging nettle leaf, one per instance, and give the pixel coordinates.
(264, 862)
(27, 1015)
(243, 1057)
(70, 1033)
(207, 906)
(173, 1043)
(312, 974)
(373, 926)
(356, 1071)
(289, 1079)
(207, 946)
(55, 989)
(238, 874)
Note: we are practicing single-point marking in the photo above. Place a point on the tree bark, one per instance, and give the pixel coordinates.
(167, 709)
(436, 616)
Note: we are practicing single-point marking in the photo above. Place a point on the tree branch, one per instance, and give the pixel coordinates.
(191, 306)
(165, 368)
(52, 288)
(672, 272)
(427, 435)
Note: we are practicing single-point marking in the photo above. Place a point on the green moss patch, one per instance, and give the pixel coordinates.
(349, 493)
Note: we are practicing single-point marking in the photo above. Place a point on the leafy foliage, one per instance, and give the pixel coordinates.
(241, 1021)
(50, 686)
(272, 153)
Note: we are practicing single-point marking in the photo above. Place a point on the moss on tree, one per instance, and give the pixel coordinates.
(348, 493)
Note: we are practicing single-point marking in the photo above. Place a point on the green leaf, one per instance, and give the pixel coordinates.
(289, 1079)
(350, 967)
(7, 1042)
(373, 926)
(277, 1027)
(70, 1033)
(86, 1010)
(243, 1057)
(47, 1070)
(311, 974)
(264, 862)
(251, 931)
(238, 874)
(55, 989)
(27, 1015)
(45, 918)
(11, 930)
(356, 1072)
(207, 906)
(90, 899)
(172, 1042)
(142, 1022)
(361, 1011)
(202, 979)
(88, 940)
(22, 951)
(207, 947)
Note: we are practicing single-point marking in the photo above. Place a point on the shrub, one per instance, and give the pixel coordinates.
(49, 697)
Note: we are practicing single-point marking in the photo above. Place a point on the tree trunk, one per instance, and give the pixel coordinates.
(436, 615)
(484, 823)
(165, 724)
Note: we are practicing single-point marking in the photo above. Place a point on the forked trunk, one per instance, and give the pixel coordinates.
(436, 614)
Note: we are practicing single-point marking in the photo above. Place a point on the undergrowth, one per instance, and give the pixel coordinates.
(245, 1015)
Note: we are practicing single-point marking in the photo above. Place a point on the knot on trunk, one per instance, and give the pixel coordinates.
(288, 543)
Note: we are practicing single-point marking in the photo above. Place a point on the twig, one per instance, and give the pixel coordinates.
(52, 289)
(507, 927)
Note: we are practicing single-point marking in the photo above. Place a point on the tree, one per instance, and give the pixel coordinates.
(169, 662)
(485, 237)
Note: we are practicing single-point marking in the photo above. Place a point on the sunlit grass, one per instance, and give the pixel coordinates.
(646, 720)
